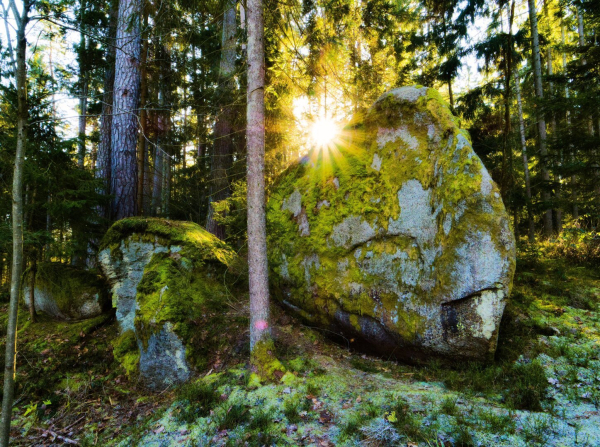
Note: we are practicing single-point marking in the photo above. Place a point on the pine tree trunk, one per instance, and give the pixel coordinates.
(124, 168)
(159, 156)
(104, 145)
(223, 135)
(537, 74)
(255, 134)
(17, 226)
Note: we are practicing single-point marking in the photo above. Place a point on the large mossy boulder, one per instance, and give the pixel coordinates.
(66, 292)
(169, 290)
(397, 238)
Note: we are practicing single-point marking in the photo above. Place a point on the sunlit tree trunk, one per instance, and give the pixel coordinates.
(20, 67)
(541, 122)
(124, 169)
(223, 135)
(159, 158)
(255, 134)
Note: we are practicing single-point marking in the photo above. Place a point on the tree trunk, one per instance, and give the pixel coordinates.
(141, 143)
(125, 104)
(17, 222)
(104, 145)
(159, 157)
(537, 74)
(223, 135)
(32, 314)
(255, 134)
(83, 89)
(531, 226)
(506, 149)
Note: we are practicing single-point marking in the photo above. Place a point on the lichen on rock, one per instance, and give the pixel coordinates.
(412, 254)
(66, 292)
(169, 294)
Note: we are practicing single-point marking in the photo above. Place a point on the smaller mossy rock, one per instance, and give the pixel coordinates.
(168, 288)
(66, 292)
(398, 238)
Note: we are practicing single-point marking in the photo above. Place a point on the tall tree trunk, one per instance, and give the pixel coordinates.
(124, 169)
(537, 74)
(157, 190)
(530, 223)
(506, 149)
(17, 223)
(141, 143)
(83, 88)
(223, 146)
(255, 134)
(104, 145)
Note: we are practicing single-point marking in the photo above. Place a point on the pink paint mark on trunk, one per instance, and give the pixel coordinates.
(261, 325)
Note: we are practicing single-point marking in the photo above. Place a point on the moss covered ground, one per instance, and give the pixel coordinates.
(543, 388)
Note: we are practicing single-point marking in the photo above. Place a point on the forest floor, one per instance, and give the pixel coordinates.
(542, 389)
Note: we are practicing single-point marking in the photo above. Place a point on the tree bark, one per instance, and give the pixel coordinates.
(124, 168)
(17, 218)
(537, 74)
(141, 143)
(255, 134)
(223, 146)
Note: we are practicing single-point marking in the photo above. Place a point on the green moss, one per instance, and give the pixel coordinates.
(264, 363)
(198, 243)
(126, 352)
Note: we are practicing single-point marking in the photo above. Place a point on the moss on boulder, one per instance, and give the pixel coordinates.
(66, 292)
(398, 238)
(168, 288)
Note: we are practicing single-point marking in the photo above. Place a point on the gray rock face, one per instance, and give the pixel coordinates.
(66, 293)
(413, 255)
(124, 273)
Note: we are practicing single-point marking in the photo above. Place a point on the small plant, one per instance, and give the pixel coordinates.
(380, 432)
(448, 406)
(527, 386)
(363, 365)
(536, 429)
(497, 422)
(197, 399)
(233, 416)
(293, 406)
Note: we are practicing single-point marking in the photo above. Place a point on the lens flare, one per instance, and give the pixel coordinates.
(323, 132)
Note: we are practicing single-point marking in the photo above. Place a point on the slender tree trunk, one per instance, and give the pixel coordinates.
(83, 89)
(223, 146)
(17, 223)
(507, 150)
(450, 95)
(530, 223)
(103, 160)
(255, 134)
(124, 169)
(537, 74)
(32, 314)
(159, 155)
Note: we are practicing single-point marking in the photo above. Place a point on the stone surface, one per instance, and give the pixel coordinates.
(65, 292)
(165, 278)
(399, 238)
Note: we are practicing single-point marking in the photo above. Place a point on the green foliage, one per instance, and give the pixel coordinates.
(197, 399)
